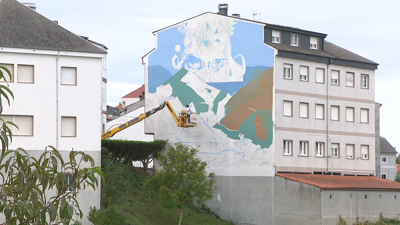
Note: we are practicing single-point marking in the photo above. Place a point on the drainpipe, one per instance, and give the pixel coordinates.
(327, 114)
(57, 106)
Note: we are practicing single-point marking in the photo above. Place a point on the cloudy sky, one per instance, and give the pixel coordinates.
(368, 28)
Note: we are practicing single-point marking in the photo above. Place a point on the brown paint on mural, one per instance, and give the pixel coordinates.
(260, 128)
(256, 95)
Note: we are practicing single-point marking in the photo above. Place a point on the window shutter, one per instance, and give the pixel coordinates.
(313, 40)
(364, 116)
(68, 75)
(319, 111)
(25, 74)
(68, 126)
(350, 114)
(304, 110)
(334, 112)
(364, 151)
(335, 74)
(319, 75)
(25, 125)
(10, 67)
(350, 79)
(350, 150)
(287, 108)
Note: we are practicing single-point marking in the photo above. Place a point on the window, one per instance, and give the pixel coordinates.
(303, 110)
(303, 148)
(68, 75)
(349, 79)
(25, 74)
(364, 115)
(319, 149)
(335, 150)
(364, 151)
(364, 80)
(287, 71)
(294, 39)
(335, 113)
(10, 67)
(276, 36)
(384, 176)
(24, 123)
(384, 159)
(319, 111)
(287, 147)
(349, 114)
(304, 73)
(350, 151)
(320, 75)
(335, 77)
(313, 43)
(68, 126)
(69, 182)
(287, 108)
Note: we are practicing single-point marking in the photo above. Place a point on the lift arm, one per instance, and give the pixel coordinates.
(181, 121)
(131, 122)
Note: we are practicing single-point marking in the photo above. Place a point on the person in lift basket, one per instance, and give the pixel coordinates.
(188, 112)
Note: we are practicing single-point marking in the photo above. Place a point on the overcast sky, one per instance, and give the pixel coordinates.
(368, 28)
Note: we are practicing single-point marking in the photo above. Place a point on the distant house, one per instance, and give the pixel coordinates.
(133, 97)
(56, 74)
(388, 160)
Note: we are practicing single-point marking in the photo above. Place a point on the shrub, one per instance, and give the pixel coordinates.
(106, 216)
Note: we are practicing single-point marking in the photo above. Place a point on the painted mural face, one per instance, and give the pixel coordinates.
(208, 52)
(227, 78)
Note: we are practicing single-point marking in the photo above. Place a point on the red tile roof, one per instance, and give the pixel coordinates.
(119, 106)
(344, 182)
(136, 93)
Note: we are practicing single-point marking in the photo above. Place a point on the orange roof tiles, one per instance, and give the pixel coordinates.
(136, 93)
(119, 106)
(344, 182)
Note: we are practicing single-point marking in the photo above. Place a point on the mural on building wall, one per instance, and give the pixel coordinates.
(223, 70)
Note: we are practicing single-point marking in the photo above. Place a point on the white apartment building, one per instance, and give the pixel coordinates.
(59, 84)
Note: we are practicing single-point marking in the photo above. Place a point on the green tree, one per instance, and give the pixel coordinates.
(398, 159)
(183, 178)
(40, 190)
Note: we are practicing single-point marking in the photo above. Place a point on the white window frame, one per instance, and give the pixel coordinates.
(336, 147)
(285, 109)
(287, 147)
(303, 110)
(20, 130)
(68, 180)
(364, 81)
(317, 75)
(303, 148)
(364, 118)
(319, 149)
(322, 116)
(303, 73)
(333, 108)
(335, 80)
(276, 36)
(350, 156)
(384, 159)
(313, 43)
(348, 111)
(286, 68)
(294, 40)
(349, 82)
(20, 68)
(364, 153)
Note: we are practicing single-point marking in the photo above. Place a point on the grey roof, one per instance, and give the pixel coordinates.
(386, 147)
(22, 27)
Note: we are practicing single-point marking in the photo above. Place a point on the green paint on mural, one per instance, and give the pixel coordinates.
(184, 93)
(208, 90)
(221, 95)
(248, 128)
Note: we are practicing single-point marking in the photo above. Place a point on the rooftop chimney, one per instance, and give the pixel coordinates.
(236, 15)
(223, 9)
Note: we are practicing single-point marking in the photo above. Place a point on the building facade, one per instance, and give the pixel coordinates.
(387, 160)
(59, 84)
(269, 99)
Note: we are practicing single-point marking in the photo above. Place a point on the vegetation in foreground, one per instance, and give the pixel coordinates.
(382, 221)
(124, 196)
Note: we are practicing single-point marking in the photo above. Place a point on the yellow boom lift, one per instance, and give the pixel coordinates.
(183, 120)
